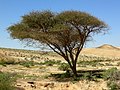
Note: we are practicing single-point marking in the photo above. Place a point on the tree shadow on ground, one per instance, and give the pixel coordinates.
(91, 75)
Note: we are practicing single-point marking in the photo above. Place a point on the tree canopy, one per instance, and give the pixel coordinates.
(62, 32)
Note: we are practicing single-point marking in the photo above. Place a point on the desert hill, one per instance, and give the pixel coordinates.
(104, 50)
(109, 47)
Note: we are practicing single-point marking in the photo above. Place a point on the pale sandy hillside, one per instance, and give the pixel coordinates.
(104, 50)
(110, 47)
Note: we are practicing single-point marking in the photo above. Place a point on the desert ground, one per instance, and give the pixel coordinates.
(39, 70)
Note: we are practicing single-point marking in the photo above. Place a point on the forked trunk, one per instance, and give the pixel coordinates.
(72, 66)
(74, 70)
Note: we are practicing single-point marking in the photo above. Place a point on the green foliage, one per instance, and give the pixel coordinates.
(64, 75)
(92, 63)
(112, 74)
(112, 85)
(88, 76)
(27, 63)
(64, 67)
(31, 77)
(79, 18)
(51, 62)
(59, 29)
(91, 75)
(7, 62)
(108, 64)
(61, 76)
(118, 64)
(58, 62)
(113, 77)
(7, 81)
(85, 75)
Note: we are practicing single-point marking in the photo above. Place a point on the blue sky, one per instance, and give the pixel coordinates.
(106, 10)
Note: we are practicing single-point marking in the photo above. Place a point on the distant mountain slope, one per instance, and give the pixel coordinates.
(107, 46)
(104, 50)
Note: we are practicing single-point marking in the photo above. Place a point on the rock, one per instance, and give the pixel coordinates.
(31, 82)
(18, 84)
(33, 86)
(46, 84)
(19, 88)
(51, 85)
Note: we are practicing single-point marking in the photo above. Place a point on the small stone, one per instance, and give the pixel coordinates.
(33, 86)
(46, 84)
(31, 82)
(18, 84)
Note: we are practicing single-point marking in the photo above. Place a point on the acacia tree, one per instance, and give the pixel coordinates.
(62, 32)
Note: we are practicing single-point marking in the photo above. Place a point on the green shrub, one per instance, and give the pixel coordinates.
(64, 67)
(92, 63)
(110, 73)
(89, 76)
(108, 64)
(51, 62)
(58, 62)
(113, 77)
(61, 76)
(7, 62)
(27, 63)
(7, 81)
(118, 64)
(112, 85)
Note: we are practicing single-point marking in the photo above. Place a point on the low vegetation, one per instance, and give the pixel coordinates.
(7, 81)
(64, 67)
(113, 77)
(51, 62)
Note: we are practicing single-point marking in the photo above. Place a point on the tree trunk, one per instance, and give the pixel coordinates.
(72, 66)
(74, 70)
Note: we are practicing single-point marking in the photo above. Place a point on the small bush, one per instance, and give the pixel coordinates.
(58, 62)
(109, 64)
(90, 76)
(109, 74)
(64, 67)
(61, 76)
(87, 75)
(51, 62)
(113, 77)
(112, 85)
(27, 63)
(118, 64)
(7, 62)
(92, 63)
(7, 81)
